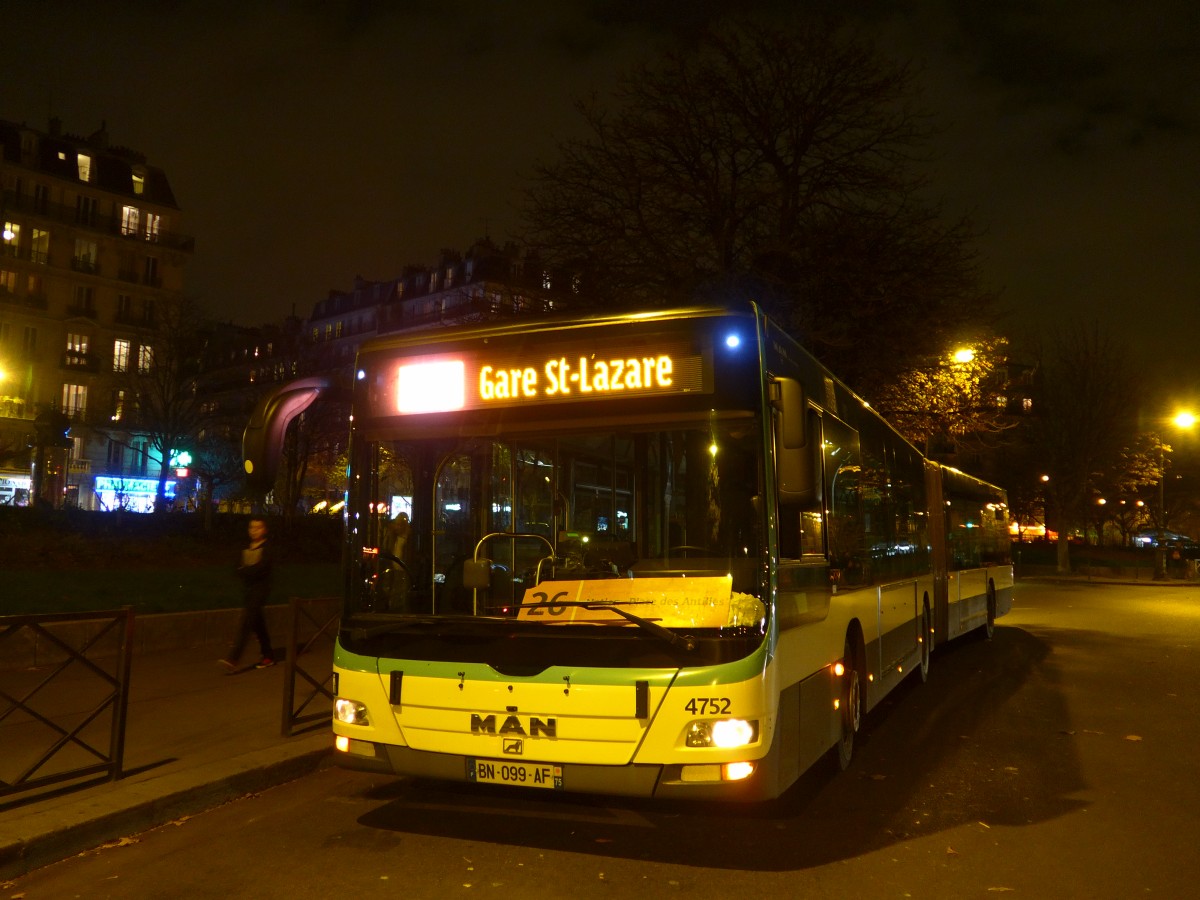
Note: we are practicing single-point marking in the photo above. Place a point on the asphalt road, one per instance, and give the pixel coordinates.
(1058, 760)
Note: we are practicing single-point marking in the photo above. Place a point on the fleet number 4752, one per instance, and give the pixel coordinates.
(709, 706)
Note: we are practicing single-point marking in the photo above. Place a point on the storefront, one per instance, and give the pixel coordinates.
(131, 494)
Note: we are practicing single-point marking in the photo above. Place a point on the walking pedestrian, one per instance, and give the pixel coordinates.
(255, 571)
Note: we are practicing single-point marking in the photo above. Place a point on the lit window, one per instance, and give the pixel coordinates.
(145, 358)
(338, 330)
(74, 399)
(120, 356)
(546, 281)
(130, 219)
(153, 226)
(77, 348)
(8, 281)
(11, 234)
(118, 405)
(85, 167)
(139, 184)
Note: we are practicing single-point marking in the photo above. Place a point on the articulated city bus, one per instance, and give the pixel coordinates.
(664, 554)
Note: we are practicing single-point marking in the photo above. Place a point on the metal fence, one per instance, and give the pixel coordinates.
(85, 689)
(314, 684)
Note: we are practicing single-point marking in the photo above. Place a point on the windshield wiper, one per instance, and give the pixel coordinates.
(659, 631)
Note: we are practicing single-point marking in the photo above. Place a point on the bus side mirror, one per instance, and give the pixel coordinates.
(262, 441)
(797, 470)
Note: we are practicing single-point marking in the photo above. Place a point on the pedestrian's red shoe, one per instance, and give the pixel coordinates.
(265, 663)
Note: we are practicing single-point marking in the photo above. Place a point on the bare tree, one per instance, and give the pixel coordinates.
(775, 162)
(1084, 422)
(162, 402)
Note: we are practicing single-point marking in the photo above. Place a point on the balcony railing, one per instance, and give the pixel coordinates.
(112, 225)
(80, 362)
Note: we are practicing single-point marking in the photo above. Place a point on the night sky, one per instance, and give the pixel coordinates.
(311, 142)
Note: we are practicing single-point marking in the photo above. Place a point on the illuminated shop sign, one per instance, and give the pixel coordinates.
(105, 483)
(478, 381)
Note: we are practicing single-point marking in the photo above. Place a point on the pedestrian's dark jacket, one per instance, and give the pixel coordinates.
(255, 570)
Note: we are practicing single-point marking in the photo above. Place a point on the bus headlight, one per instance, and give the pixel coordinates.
(350, 712)
(722, 733)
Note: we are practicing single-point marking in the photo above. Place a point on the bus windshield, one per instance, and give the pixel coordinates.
(565, 530)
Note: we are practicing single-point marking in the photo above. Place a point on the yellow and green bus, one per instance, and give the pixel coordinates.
(664, 555)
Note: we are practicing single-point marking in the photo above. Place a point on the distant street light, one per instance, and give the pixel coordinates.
(1182, 420)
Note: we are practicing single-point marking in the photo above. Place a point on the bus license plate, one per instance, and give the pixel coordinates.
(523, 774)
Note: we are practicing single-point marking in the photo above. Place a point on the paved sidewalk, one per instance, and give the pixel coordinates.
(196, 736)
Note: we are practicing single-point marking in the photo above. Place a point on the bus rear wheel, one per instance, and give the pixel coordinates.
(851, 704)
(926, 641)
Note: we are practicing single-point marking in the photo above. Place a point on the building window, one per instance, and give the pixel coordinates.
(139, 184)
(120, 355)
(118, 405)
(116, 451)
(151, 271)
(29, 340)
(41, 197)
(12, 237)
(329, 331)
(124, 308)
(85, 210)
(85, 255)
(153, 226)
(338, 330)
(74, 399)
(148, 311)
(83, 305)
(40, 246)
(130, 219)
(8, 282)
(85, 167)
(145, 358)
(141, 455)
(316, 335)
(77, 348)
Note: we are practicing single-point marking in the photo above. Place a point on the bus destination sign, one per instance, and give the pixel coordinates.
(467, 381)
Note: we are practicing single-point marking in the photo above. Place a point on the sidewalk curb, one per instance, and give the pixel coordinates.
(151, 809)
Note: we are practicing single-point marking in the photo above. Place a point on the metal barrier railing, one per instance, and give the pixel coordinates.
(295, 717)
(66, 729)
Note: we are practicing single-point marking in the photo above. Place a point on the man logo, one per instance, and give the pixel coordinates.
(513, 746)
(512, 725)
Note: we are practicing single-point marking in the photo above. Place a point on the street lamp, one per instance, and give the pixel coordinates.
(1182, 420)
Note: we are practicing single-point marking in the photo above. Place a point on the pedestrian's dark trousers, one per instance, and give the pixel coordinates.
(252, 620)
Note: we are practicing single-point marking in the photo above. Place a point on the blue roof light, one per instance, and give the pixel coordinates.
(732, 340)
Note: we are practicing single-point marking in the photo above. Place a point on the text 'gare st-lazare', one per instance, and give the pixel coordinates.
(444, 384)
